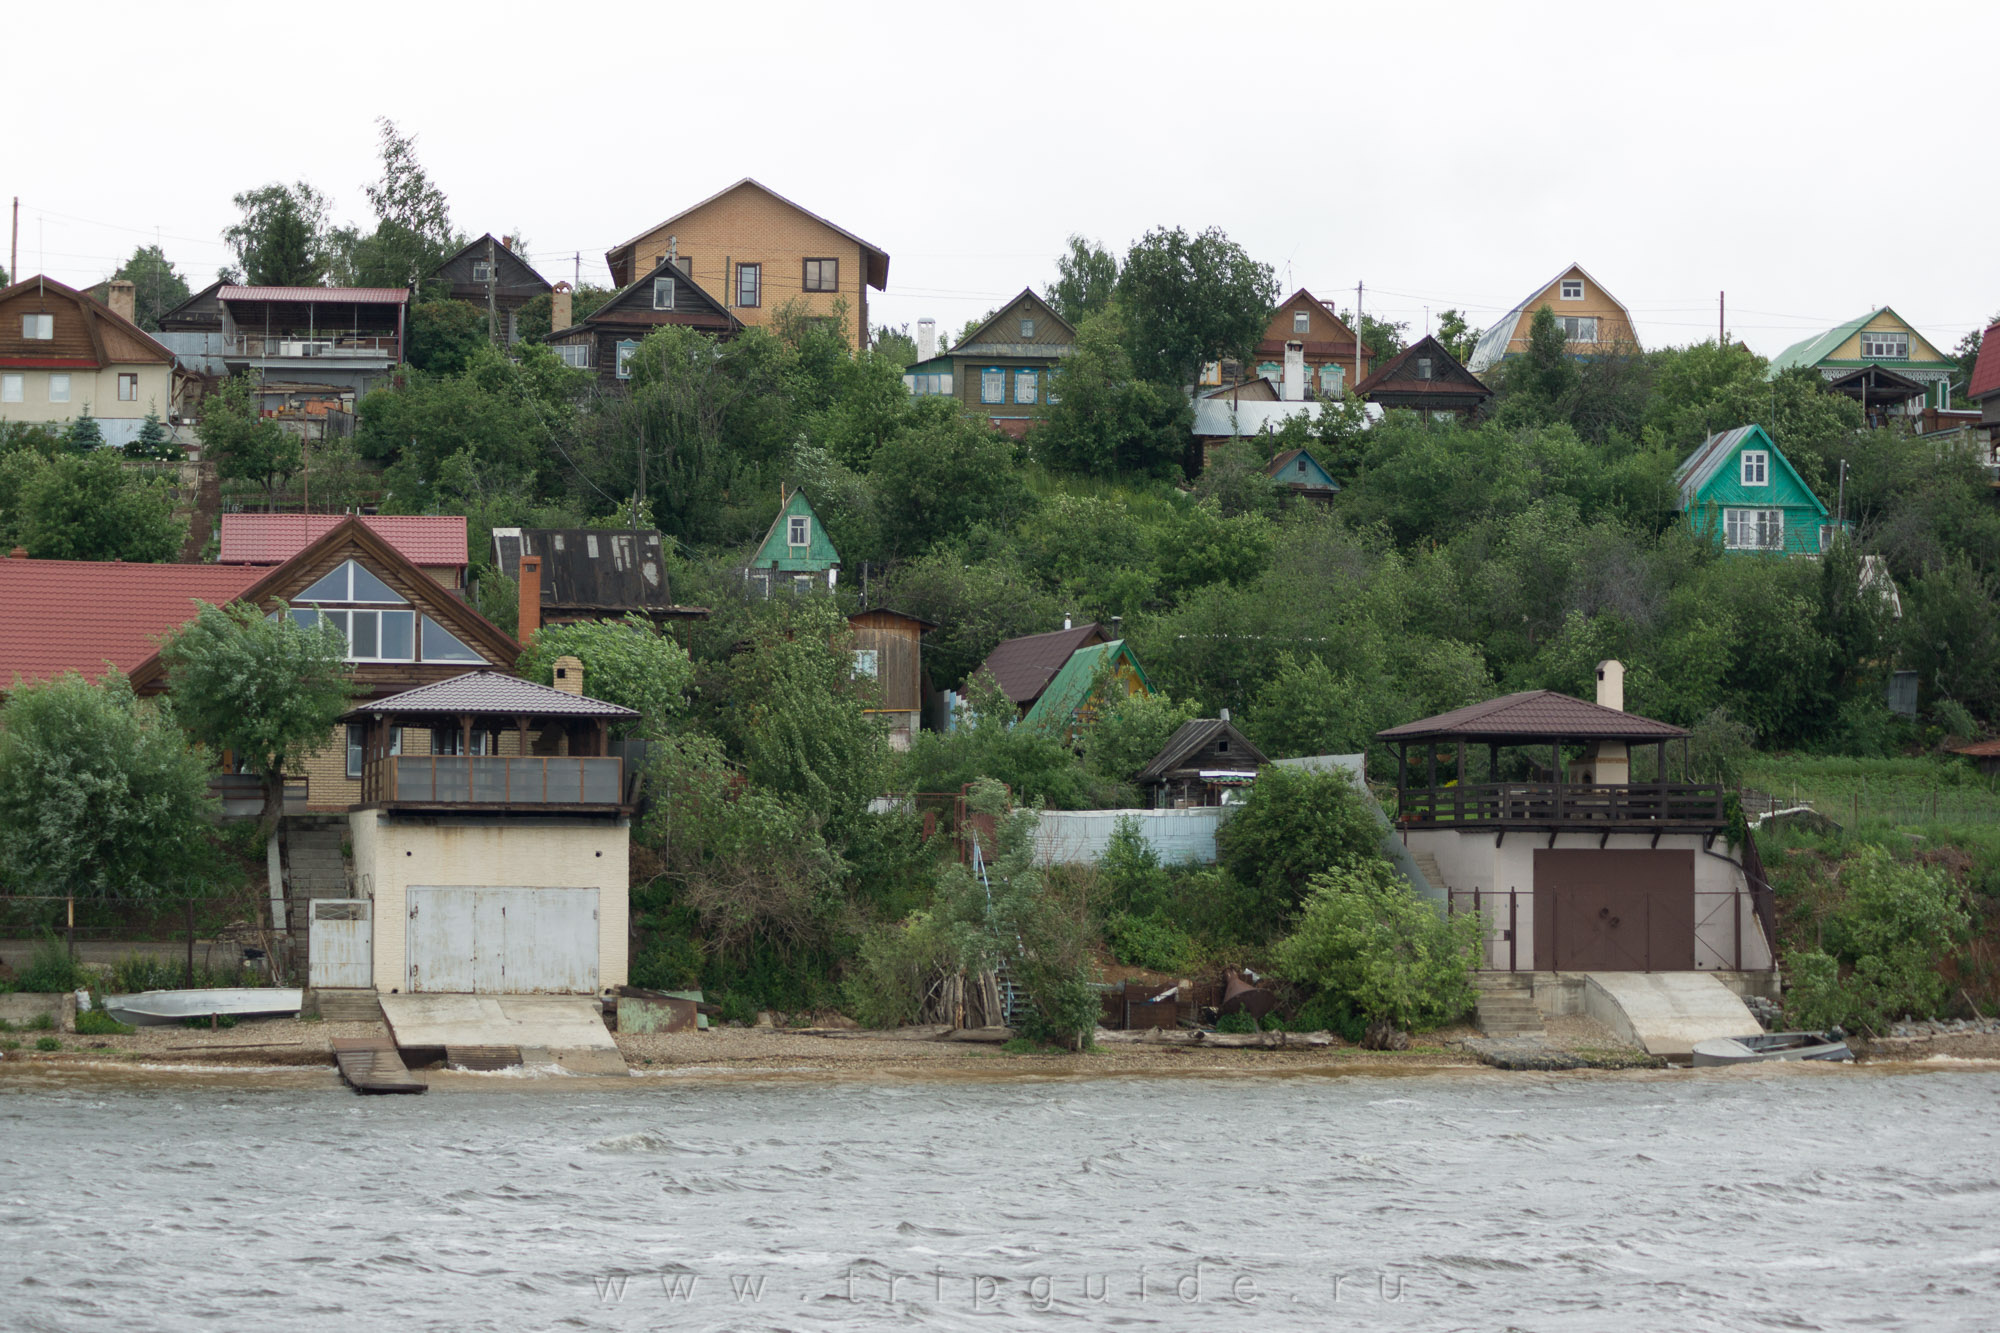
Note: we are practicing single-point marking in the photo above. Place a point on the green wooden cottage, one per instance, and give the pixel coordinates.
(1879, 360)
(795, 553)
(1004, 369)
(1739, 489)
(1072, 698)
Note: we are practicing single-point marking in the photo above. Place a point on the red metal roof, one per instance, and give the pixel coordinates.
(1986, 370)
(80, 615)
(1536, 715)
(318, 295)
(429, 540)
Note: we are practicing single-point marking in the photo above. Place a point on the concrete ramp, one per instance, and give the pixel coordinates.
(1666, 1013)
(565, 1029)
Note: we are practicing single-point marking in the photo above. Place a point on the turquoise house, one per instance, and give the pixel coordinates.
(1738, 489)
(1071, 700)
(796, 553)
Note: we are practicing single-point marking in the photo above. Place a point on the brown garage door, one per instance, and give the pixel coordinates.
(1614, 911)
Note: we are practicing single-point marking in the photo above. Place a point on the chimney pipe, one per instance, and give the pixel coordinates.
(559, 307)
(926, 339)
(123, 299)
(569, 675)
(531, 599)
(1065, 620)
(1295, 372)
(1611, 684)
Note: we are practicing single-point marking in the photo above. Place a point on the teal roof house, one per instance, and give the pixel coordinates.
(1737, 488)
(795, 553)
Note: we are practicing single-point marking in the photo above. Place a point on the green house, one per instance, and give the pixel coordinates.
(1071, 699)
(1879, 360)
(1737, 488)
(795, 552)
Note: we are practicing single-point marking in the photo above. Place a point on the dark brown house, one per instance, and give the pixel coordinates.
(606, 338)
(889, 649)
(1426, 379)
(594, 573)
(488, 274)
(1201, 764)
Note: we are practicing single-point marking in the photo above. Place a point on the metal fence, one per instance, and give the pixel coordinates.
(215, 929)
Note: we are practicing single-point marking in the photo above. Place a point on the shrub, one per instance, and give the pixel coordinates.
(897, 966)
(1151, 942)
(1364, 937)
(1882, 947)
(1294, 824)
(47, 1044)
(40, 1023)
(52, 969)
(97, 1023)
(668, 963)
(1238, 1022)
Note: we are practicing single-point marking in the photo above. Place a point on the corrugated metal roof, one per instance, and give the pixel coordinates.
(1192, 736)
(1071, 687)
(272, 539)
(1986, 370)
(1699, 466)
(1018, 351)
(1534, 715)
(1492, 345)
(486, 693)
(1025, 666)
(1811, 351)
(318, 295)
(80, 615)
(1218, 418)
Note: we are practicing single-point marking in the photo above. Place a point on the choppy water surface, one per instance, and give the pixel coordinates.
(1739, 1200)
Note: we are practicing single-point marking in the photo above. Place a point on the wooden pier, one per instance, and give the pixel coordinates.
(373, 1065)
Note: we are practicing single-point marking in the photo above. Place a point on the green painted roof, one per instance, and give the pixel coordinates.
(1811, 351)
(1712, 475)
(777, 552)
(1071, 687)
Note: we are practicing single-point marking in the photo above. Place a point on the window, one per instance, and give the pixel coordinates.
(802, 585)
(128, 388)
(922, 385)
(1578, 328)
(58, 388)
(1330, 380)
(350, 583)
(11, 388)
(750, 284)
(1885, 346)
(441, 645)
(1302, 465)
(822, 275)
(1222, 747)
(1049, 394)
(798, 532)
(1302, 321)
(1423, 367)
(1756, 468)
(992, 385)
(1024, 386)
(575, 355)
(371, 636)
(1572, 289)
(685, 264)
(663, 293)
(482, 271)
(357, 746)
(39, 328)
(865, 662)
(451, 740)
(1754, 529)
(1027, 328)
(625, 349)
(1268, 369)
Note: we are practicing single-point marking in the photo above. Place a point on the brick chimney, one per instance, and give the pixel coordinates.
(123, 298)
(531, 598)
(559, 307)
(569, 675)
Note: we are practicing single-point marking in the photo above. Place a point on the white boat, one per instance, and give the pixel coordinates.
(155, 1008)
(1719, 1051)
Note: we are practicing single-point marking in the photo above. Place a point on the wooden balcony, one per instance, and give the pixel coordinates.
(499, 783)
(1622, 807)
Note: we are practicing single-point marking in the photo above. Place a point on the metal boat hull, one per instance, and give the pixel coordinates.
(157, 1008)
(1718, 1052)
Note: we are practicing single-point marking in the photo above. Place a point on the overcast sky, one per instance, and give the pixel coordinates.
(1812, 160)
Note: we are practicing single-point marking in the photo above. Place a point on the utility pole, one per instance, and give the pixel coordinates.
(576, 278)
(1721, 319)
(492, 309)
(1357, 335)
(14, 246)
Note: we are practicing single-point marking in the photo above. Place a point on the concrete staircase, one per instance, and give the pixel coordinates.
(1508, 1010)
(1428, 864)
(318, 869)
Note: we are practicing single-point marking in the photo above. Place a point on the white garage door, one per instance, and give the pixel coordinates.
(502, 941)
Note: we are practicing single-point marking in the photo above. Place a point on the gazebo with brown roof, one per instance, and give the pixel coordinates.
(1543, 718)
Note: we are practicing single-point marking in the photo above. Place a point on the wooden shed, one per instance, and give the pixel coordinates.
(888, 649)
(1202, 763)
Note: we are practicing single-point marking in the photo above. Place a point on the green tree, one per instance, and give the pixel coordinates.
(1381, 337)
(261, 687)
(89, 507)
(1881, 948)
(284, 237)
(156, 287)
(100, 793)
(413, 233)
(1458, 336)
(1369, 943)
(1106, 420)
(629, 662)
(1086, 280)
(895, 346)
(1535, 386)
(1190, 300)
(1951, 635)
(1294, 824)
(1124, 736)
(243, 442)
(84, 434)
(153, 442)
(943, 474)
(445, 334)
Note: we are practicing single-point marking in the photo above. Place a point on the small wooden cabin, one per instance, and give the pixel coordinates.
(1201, 764)
(888, 649)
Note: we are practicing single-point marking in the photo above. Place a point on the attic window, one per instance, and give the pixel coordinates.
(1756, 468)
(1222, 747)
(1572, 289)
(1302, 467)
(481, 271)
(38, 328)
(1027, 328)
(663, 293)
(1302, 321)
(349, 583)
(1423, 367)
(799, 531)
(1874, 346)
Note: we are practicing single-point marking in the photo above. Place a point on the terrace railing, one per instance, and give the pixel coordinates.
(323, 344)
(496, 781)
(1552, 804)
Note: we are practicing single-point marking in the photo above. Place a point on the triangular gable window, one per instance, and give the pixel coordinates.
(441, 645)
(351, 583)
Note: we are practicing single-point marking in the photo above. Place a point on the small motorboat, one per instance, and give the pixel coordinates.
(1720, 1051)
(156, 1008)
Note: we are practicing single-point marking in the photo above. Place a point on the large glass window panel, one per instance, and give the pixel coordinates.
(441, 645)
(365, 641)
(399, 636)
(332, 588)
(368, 588)
(304, 617)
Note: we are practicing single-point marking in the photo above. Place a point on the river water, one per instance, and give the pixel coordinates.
(1764, 1199)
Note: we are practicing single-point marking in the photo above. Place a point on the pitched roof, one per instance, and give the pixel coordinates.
(85, 615)
(1222, 418)
(878, 258)
(1024, 667)
(1318, 478)
(1811, 351)
(774, 554)
(270, 539)
(1700, 467)
(1492, 344)
(501, 252)
(486, 693)
(1192, 736)
(317, 295)
(93, 311)
(1536, 716)
(1456, 379)
(605, 314)
(970, 345)
(1986, 370)
(1071, 686)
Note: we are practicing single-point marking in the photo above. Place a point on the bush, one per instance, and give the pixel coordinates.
(668, 963)
(1238, 1022)
(40, 1023)
(52, 969)
(47, 1044)
(1882, 947)
(1293, 825)
(1151, 942)
(143, 972)
(1364, 937)
(97, 1023)
(898, 964)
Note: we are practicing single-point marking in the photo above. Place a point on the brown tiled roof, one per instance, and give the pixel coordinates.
(1025, 666)
(1449, 378)
(85, 615)
(1534, 715)
(485, 693)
